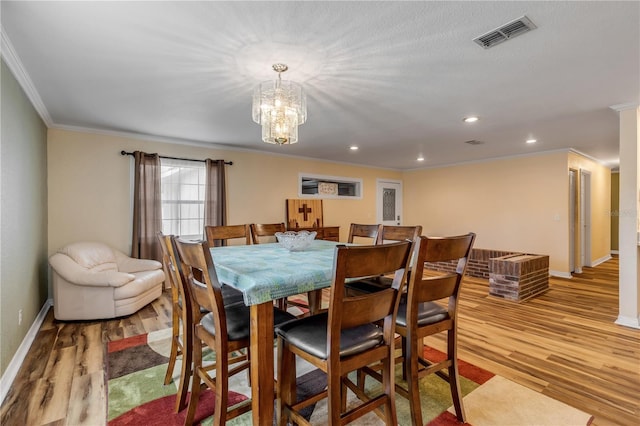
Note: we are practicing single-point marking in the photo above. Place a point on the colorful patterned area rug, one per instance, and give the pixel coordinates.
(137, 395)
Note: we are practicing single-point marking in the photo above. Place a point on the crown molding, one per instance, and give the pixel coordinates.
(624, 107)
(602, 163)
(12, 60)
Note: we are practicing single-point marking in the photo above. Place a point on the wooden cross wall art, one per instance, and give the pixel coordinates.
(304, 213)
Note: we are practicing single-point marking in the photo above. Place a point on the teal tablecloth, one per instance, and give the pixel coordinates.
(265, 272)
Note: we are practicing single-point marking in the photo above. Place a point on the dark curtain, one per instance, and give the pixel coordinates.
(147, 209)
(215, 204)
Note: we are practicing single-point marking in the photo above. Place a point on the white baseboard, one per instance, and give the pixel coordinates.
(601, 260)
(615, 252)
(18, 358)
(628, 322)
(560, 274)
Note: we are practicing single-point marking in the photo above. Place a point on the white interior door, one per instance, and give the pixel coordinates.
(389, 202)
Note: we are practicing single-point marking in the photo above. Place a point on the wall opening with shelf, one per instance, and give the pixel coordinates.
(320, 186)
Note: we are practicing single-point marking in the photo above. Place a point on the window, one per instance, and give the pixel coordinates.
(319, 186)
(183, 187)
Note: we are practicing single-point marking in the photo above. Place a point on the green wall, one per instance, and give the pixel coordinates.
(23, 215)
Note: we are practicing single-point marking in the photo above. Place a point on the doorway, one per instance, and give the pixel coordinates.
(585, 218)
(579, 220)
(573, 220)
(389, 202)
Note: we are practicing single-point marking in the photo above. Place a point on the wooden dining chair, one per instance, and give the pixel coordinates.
(219, 235)
(262, 230)
(181, 336)
(182, 318)
(386, 234)
(358, 232)
(225, 329)
(355, 332)
(420, 315)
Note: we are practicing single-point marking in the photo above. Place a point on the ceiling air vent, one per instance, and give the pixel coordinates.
(507, 31)
(474, 142)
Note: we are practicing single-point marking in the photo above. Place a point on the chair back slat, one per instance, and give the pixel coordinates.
(366, 262)
(265, 230)
(361, 261)
(366, 309)
(446, 249)
(218, 235)
(436, 288)
(360, 231)
(398, 233)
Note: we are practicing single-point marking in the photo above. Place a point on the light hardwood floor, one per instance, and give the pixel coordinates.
(563, 343)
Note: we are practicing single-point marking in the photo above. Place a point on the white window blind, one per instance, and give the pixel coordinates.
(183, 188)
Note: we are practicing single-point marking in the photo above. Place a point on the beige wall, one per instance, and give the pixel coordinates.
(90, 186)
(23, 228)
(600, 205)
(518, 204)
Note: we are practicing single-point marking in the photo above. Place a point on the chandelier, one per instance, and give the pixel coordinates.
(279, 106)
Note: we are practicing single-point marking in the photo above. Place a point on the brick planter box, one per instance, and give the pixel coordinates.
(518, 277)
(478, 265)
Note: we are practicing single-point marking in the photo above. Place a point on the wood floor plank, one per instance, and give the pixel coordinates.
(52, 392)
(90, 350)
(89, 394)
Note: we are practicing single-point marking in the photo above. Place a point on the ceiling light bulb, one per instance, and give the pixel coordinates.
(532, 140)
(353, 148)
(420, 158)
(471, 119)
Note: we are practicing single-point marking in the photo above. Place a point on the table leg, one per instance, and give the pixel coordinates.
(262, 372)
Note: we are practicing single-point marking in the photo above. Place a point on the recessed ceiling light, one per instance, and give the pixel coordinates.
(420, 158)
(532, 140)
(353, 148)
(470, 119)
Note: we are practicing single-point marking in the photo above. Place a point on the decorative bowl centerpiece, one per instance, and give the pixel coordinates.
(295, 241)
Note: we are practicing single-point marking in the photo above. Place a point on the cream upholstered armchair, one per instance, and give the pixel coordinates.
(93, 281)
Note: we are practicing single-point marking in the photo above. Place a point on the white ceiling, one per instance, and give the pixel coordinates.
(394, 78)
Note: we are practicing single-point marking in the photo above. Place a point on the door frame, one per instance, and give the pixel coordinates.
(573, 221)
(585, 218)
(379, 185)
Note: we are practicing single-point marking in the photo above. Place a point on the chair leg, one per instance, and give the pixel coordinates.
(454, 378)
(286, 382)
(334, 395)
(388, 367)
(343, 392)
(195, 382)
(411, 371)
(185, 371)
(222, 387)
(403, 343)
(174, 350)
(360, 378)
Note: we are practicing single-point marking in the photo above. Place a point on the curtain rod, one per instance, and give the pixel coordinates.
(123, 152)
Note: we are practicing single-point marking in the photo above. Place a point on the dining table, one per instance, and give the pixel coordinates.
(264, 273)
